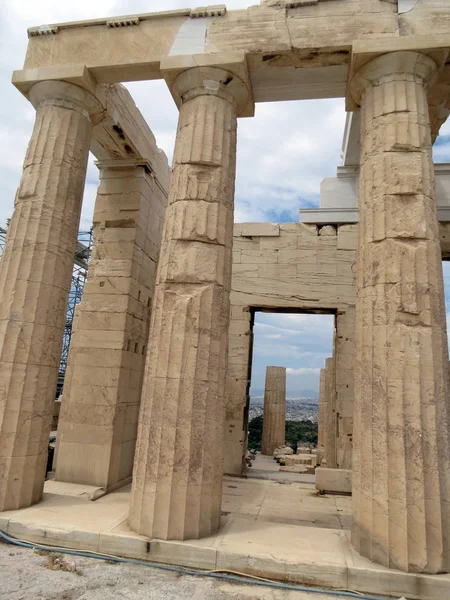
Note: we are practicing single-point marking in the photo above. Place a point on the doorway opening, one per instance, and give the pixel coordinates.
(300, 341)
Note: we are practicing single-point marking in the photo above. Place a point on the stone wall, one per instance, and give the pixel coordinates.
(294, 267)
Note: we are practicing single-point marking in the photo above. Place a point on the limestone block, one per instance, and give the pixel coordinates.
(282, 451)
(347, 237)
(334, 480)
(305, 459)
(259, 229)
(294, 469)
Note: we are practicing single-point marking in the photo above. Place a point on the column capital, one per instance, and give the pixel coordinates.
(66, 95)
(391, 67)
(210, 75)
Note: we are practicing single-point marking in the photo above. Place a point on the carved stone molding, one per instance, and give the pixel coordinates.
(43, 30)
(123, 22)
(218, 10)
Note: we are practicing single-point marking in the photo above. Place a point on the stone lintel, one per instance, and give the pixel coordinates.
(436, 46)
(131, 163)
(235, 63)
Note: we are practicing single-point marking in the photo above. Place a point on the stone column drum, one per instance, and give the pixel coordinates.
(35, 278)
(177, 477)
(274, 423)
(401, 466)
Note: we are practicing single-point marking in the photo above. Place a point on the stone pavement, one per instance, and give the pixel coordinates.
(269, 529)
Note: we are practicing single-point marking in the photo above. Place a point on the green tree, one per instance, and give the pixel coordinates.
(297, 433)
(255, 433)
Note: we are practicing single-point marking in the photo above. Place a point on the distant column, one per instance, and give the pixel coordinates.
(331, 419)
(274, 410)
(35, 279)
(322, 423)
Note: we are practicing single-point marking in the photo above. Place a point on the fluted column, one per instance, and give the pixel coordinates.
(331, 417)
(401, 467)
(323, 416)
(274, 422)
(177, 477)
(35, 278)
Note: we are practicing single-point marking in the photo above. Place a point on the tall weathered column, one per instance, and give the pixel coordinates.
(401, 466)
(177, 477)
(274, 423)
(323, 411)
(102, 389)
(331, 417)
(35, 278)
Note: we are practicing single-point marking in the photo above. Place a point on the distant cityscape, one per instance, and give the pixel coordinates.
(297, 409)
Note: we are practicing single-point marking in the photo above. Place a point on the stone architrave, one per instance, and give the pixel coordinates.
(35, 278)
(177, 478)
(401, 463)
(103, 384)
(274, 423)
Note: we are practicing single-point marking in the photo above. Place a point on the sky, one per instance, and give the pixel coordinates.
(283, 154)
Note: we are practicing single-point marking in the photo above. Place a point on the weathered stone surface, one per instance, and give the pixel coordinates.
(35, 278)
(103, 383)
(296, 269)
(338, 481)
(282, 451)
(178, 470)
(322, 429)
(331, 415)
(273, 435)
(401, 462)
(279, 41)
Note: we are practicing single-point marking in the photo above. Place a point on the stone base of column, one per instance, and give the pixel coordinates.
(334, 481)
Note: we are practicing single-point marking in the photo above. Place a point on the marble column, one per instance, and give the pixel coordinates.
(102, 389)
(35, 278)
(331, 416)
(401, 463)
(177, 477)
(322, 425)
(274, 423)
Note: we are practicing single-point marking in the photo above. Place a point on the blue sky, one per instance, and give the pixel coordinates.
(283, 154)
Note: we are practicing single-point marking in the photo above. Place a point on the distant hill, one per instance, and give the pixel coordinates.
(255, 393)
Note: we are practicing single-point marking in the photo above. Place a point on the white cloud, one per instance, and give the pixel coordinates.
(302, 371)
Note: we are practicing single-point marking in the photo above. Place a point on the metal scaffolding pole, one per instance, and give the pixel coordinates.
(80, 267)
